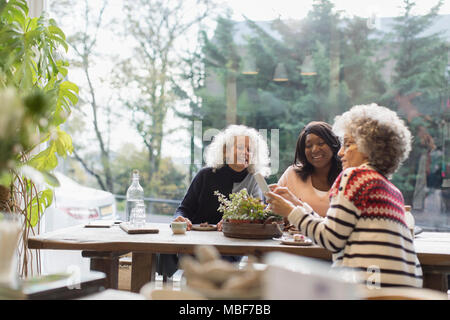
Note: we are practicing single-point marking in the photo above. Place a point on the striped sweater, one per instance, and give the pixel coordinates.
(365, 229)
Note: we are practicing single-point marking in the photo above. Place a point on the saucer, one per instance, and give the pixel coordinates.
(292, 242)
(210, 227)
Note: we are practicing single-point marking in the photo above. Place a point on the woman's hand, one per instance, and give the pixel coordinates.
(278, 204)
(183, 219)
(219, 225)
(285, 193)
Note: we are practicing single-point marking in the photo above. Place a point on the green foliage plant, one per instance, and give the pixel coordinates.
(37, 99)
(242, 206)
(418, 85)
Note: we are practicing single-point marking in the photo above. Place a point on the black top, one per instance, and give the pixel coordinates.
(200, 204)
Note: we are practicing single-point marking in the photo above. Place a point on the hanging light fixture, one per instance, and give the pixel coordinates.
(307, 68)
(280, 73)
(249, 67)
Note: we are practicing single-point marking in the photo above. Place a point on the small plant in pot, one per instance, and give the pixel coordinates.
(247, 217)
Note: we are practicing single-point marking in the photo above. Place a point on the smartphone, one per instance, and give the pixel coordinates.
(261, 182)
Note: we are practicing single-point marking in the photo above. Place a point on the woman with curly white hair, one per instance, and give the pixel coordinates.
(231, 159)
(365, 227)
(229, 147)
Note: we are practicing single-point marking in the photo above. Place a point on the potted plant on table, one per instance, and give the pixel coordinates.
(247, 217)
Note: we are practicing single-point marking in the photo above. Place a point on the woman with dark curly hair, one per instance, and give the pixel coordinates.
(365, 227)
(316, 166)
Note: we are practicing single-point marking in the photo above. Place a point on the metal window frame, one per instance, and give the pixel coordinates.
(36, 7)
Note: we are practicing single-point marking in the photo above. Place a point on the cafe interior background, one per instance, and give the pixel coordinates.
(152, 77)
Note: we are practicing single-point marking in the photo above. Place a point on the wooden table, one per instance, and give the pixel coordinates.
(105, 245)
(433, 251)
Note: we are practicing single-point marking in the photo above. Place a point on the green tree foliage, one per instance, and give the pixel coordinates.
(416, 92)
(83, 42)
(362, 61)
(157, 27)
(194, 76)
(222, 58)
(30, 61)
(420, 56)
(349, 57)
(110, 166)
(167, 183)
(342, 51)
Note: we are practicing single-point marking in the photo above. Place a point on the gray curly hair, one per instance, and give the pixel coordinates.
(379, 133)
(259, 152)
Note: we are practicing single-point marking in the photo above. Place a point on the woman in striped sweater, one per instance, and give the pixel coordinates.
(365, 226)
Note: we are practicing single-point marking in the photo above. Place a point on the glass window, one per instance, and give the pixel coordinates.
(157, 78)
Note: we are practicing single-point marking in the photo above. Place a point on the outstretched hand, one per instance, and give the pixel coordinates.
(278, 204)
(285, 193)
(219, 225)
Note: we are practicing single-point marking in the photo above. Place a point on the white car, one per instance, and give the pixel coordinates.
(73, 204)
(76, 204)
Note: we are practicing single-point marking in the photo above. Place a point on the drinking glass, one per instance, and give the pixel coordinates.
(10, 231)
(138, 215)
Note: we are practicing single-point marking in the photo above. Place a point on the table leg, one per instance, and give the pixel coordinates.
(106, 262)
(142, 269)
(435, 277)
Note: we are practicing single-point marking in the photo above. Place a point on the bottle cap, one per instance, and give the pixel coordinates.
(135, 174)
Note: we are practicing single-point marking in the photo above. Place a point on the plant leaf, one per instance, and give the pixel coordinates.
(42, 201)
(63, 143)
(46, 160)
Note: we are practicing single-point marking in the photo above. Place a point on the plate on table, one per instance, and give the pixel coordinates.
(291, 242)
(209, 227)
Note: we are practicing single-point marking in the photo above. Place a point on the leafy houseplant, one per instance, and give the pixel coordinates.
(241, 207)
(36, 99)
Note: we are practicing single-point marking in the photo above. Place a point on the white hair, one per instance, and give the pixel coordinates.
(259, 153)
(379, 133)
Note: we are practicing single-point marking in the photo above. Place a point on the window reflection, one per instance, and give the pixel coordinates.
(277, 74)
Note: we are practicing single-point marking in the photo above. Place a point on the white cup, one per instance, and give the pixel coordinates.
(178, 227)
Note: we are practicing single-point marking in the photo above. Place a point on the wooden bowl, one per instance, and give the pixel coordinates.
(251, 230)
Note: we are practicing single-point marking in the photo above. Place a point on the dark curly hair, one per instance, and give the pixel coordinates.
(301, 165)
